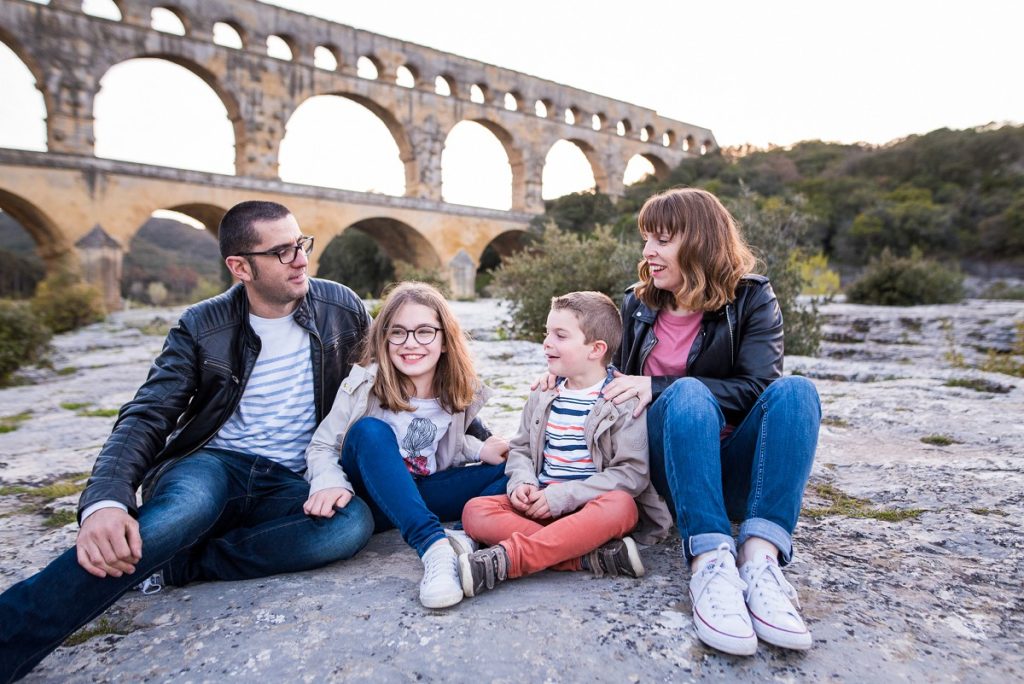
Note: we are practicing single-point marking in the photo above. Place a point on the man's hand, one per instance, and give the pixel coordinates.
(624, 387)
(323, 503)
(538, 509)
(109, 543)
(494, 451)
(545, 382)
(521, 497)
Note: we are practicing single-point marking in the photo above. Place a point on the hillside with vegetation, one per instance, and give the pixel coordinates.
(952, 195)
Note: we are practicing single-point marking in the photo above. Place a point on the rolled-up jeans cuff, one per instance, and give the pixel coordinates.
(709, 541)
(770, 532)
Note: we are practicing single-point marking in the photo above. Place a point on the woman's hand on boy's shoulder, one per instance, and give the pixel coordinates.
(544, 382)
(625, 387)
(494, 451)
(322, 504)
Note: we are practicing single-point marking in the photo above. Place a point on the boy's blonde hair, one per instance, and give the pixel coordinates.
(713, 256)
(455, 379)
(598, 318)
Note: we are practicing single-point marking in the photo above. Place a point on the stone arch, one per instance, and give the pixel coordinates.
(207, 214)
(29, 60)
(52, 245)
(601, 180)
(505, 244)
(226, 97)
(512, 153)
(395, 128)
(400, 241)
(30, 126)
(187, 262)
(661, 168)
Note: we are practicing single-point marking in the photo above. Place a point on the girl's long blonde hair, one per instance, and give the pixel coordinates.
(713, 256)
(455, 380)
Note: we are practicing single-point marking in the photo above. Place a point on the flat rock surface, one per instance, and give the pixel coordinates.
(918, 577)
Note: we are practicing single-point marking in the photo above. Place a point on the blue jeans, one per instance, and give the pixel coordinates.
(415, 505)
(213, 515)
(755, 476)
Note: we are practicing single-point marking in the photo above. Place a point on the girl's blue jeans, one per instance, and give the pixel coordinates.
(415, 505)
(755, 476)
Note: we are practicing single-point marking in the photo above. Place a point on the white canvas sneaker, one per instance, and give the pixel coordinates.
(770, 599)
(441, 586)
(719, 612)
(461, 542)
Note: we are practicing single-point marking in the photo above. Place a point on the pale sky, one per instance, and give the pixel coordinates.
(752, 72)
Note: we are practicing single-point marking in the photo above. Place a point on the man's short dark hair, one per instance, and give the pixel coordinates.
(236, 232)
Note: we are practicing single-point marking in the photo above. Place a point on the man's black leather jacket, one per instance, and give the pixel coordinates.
(737, 353)
(197, 381)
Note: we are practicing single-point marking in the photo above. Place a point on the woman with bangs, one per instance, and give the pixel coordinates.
(731, 440)
(397, 436)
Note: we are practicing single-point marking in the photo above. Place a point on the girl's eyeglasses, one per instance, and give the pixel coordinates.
(424, 335)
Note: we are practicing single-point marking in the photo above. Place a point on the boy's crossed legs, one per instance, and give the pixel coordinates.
(556, 544)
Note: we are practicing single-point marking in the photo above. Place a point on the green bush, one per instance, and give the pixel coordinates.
(776, 230)
(907, 281)
(64, 303)
(23, 337)
(560, 262)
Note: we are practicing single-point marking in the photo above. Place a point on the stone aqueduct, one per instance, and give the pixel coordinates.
(82, 210)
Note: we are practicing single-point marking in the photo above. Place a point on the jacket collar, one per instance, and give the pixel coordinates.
(304, 314)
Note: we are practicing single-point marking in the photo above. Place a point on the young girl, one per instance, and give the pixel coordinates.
(398, 427)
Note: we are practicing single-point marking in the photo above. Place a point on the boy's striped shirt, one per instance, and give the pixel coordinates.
(566, 456)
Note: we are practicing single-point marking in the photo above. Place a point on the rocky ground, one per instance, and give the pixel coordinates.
(910, 558)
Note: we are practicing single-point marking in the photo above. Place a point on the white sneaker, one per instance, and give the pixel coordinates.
(441, 586)
(461, 542)
(719, 612)
(770, 599)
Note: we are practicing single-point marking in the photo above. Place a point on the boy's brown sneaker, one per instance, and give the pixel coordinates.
(482, 569)
(617, 557)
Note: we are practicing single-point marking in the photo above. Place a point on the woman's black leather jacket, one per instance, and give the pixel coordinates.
(737, 353)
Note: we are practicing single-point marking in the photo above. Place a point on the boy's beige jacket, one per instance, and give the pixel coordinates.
(618, 444)
(354, 401)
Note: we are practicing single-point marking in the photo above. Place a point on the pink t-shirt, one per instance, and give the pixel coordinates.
(675, 335)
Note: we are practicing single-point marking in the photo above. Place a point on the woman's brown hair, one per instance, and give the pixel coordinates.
(713, 256)
(455, 380)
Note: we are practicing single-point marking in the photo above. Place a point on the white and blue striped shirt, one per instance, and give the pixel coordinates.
(277, 414)
(566, 456)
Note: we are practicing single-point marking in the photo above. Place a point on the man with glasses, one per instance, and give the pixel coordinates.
(216, 437)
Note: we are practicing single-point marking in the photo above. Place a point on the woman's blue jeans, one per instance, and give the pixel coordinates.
(415, 505)
(755, 476)
(213, 515)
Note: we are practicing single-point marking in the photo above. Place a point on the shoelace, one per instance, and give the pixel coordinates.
(774, 600)
(440, 565)
(151, 585)
(719, 598)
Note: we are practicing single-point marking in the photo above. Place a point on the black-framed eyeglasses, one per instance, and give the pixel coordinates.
(286, 255)
(424, 334)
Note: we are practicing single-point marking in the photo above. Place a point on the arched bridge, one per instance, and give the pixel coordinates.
(84, 210)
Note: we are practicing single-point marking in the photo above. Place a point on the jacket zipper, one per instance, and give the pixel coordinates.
(217, 364)
(732, 350)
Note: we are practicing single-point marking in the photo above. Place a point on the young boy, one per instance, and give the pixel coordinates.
(574, 468)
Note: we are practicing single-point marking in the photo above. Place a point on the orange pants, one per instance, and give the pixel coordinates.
(535, 545)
